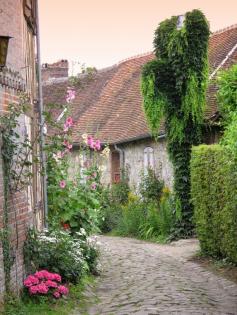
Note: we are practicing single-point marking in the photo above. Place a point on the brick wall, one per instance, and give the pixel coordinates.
(19, 76)
(55, 70)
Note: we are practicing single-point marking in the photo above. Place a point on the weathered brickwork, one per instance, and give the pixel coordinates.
(18, 76)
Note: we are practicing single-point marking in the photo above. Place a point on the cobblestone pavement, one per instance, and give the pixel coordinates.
(144, 278)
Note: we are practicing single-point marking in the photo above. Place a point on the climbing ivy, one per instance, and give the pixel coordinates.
(174, 88)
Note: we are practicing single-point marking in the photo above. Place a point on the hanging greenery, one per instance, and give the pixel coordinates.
(174, 89)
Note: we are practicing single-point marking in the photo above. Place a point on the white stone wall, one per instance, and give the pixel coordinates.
(134, 161)
(104, 164)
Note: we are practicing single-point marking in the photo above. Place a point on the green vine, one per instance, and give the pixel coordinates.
(174, 89)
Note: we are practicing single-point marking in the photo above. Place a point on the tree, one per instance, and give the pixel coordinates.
(174, 89)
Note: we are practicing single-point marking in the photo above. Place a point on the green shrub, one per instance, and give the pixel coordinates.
(133, 216)
(150, 186)
(214, 195)
(59, 252)
(160, 219)
(111, 202)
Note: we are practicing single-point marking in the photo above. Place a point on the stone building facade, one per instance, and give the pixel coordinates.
(109, 107)
(25, 209)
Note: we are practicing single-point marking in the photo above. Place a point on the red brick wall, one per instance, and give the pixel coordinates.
(56, 70)
(12, 81)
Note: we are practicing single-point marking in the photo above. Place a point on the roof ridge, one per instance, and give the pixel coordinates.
(135, 57)
(222, 30)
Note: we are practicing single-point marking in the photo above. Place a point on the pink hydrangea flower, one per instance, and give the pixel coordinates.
(42, 274)
(93, 186)
(31, 280)
(56, 294)
(51, 284)
(33, 289)
(62, 184)
(42, 288)
(63, 290)
(56, 277)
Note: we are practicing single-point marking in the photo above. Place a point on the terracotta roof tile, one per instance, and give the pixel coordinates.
(110, 105)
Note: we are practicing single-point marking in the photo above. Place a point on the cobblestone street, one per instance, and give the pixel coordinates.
(145, 278)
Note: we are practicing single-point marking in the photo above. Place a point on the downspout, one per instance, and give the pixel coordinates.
(121, 159)
(41, 119)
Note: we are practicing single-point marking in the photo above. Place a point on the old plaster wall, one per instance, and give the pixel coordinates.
(134, 161)
(78, 160)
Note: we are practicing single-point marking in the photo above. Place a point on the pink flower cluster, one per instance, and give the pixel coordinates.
(93, 144)
(68, 124)
(70, 95)
(44, 282)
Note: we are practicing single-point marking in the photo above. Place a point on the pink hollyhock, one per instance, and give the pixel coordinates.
(65, 127)
(97, 145)
(90, 141)
(69, 122)
(42, 288)
(93, 186)
(94, 174)
(63, 290)
(62, 184)
(70, 95)
(51, 284)
(69, 146)
(33, 289)
(31, 280)
(56, 294)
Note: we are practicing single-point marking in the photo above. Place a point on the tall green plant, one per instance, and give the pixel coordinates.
(174, 87)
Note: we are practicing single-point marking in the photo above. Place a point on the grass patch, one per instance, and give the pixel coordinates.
(64, 306)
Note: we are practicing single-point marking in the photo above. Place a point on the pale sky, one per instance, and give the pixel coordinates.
(101, 33)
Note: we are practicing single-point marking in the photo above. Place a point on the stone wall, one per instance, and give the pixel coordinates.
(134, 161)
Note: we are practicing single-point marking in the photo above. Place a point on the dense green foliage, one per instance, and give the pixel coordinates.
(174, 87)
(227, 101)
(214, 195)
(149, 215)
(150, 187)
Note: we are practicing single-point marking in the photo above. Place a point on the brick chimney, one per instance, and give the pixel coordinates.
(58, 69)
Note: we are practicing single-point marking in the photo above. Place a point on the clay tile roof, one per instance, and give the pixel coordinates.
(110, 105)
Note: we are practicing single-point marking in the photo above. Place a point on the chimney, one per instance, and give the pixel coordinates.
(58, 69)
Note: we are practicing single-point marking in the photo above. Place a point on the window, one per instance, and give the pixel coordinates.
(148, 159)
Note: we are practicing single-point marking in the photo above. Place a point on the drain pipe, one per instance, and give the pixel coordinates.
(121, 159)
(41, 119)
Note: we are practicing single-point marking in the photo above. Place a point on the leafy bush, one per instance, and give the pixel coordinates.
(133, 215)
(111, 200)
(214, 187)
(160, 219)
(150, 186)
(227, 93)
(59, 252)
